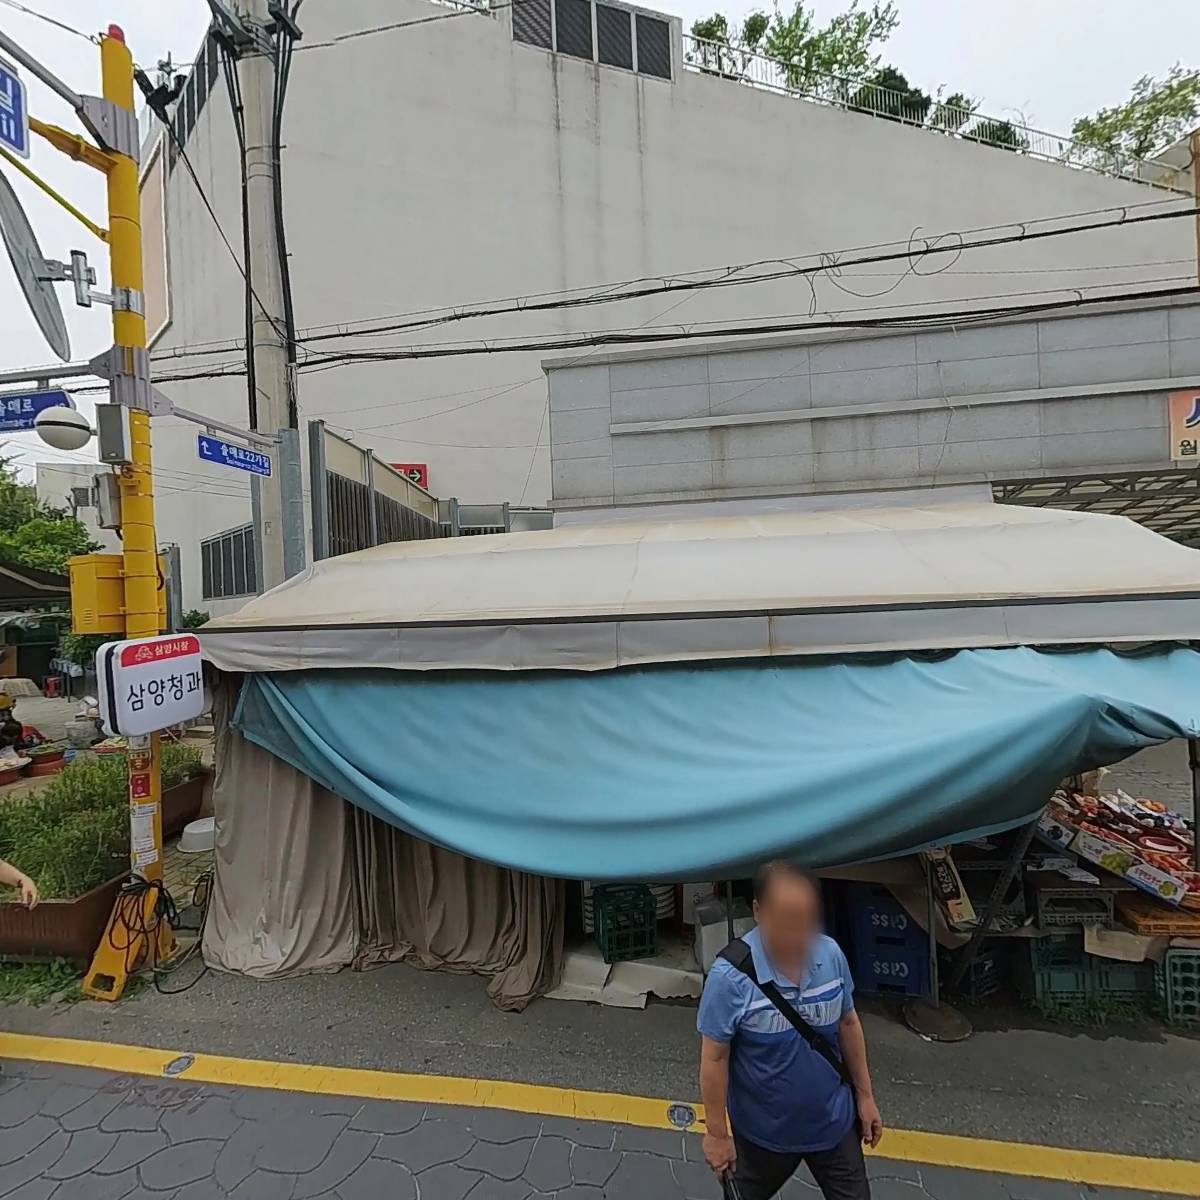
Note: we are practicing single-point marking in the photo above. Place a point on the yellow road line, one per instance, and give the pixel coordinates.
(1099, 1169)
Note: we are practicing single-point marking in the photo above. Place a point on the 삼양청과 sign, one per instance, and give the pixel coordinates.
(149, 684)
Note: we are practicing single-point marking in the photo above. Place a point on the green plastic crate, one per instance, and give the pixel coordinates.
(1059, 970)
(1178, 982)
(626, 921)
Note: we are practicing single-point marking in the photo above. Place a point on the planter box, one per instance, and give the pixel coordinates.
(181, 804)
(59, 928)
(72, 929)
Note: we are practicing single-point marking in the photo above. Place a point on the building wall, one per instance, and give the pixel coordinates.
(444, 164)
(1018, 399)
(54, 484)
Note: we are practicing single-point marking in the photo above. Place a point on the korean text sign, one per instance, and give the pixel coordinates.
(150, 683)
(1183, 414)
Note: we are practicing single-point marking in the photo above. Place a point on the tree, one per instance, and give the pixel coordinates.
(845, 47)
(1003, 134)
(888, 94)
(34, 534)
(1157, 113)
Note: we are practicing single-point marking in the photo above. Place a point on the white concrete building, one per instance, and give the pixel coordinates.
(451, 162)
(69, 486)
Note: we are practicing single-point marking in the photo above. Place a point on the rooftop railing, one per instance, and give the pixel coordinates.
(945, 118)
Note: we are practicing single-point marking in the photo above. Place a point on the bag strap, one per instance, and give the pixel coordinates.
(737, 954)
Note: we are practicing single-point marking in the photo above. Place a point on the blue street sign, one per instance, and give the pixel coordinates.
(229, 454)
(19, 410)
(14, 113)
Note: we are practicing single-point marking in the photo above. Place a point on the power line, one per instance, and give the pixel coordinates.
(736, 279)
(41, 16)
(823, 264)
(468, 11)
(617, 337)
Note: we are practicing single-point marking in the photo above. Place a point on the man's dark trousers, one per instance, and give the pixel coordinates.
(840, 1173)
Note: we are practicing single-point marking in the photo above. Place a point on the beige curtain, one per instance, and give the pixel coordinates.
(434, 909)
(305, 882)
(283, 892)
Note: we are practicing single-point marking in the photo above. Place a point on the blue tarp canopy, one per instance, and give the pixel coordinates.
(697, 771)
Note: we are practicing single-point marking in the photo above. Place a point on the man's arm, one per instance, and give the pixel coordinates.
(854, 1053)
(719, 1152)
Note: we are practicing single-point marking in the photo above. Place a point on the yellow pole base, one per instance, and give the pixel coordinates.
(133, 938)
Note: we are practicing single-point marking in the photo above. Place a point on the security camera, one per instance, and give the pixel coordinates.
(63, 428)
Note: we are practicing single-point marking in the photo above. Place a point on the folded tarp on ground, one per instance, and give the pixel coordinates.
(688, 772)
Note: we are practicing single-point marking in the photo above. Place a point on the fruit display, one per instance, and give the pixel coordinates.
(1143, 841)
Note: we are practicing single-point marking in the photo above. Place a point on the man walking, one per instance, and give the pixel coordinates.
(788, 1096)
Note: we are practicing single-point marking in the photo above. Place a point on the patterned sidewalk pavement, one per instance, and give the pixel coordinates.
(74, 1133)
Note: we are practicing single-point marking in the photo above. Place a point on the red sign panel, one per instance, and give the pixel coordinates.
(139, 786)
(417, 472)
(175, 646)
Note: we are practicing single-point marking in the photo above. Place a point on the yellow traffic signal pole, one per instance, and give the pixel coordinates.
(139, 545)
(136, 932)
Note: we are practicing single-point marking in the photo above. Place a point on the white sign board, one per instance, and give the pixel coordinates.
(150, 683)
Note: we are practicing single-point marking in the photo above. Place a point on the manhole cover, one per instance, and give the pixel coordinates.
(681, 1115)
(177, 1066)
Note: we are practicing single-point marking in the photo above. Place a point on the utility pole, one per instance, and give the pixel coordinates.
(278, 500)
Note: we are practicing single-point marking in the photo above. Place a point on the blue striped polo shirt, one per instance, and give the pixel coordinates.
(783, 1095)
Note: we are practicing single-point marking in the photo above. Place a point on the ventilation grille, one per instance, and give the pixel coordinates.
(614, 36)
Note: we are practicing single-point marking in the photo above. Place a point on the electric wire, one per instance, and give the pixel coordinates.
(372, 31)
(49, 20)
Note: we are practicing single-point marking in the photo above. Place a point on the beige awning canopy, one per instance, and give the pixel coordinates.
(670, 589)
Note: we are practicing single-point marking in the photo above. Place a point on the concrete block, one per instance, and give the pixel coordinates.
(1101, 330)
(1115, 447)
(755, 441)
(983, 422)
(580, 433)
(1104, 414)
(862, 387)
(775, 470)
(578, 387)
(977, 376)
(660, 403)
(1105, 364)
(866, 433)
(763, 395)
(1185, 357)
(651, 449)
(984, 458)
(859, 354)
(956, 345)
(664, 478)
(739, 365)
(582, 478)
(846, 466)
(658, 372)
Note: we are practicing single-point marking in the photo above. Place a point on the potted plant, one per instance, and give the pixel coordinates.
(72, 839)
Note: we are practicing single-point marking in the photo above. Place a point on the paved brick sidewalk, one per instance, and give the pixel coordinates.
(78, 1134)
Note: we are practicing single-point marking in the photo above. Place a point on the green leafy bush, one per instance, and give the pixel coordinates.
(74, 834)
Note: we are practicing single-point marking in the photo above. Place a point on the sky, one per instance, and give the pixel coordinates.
(1040, 62)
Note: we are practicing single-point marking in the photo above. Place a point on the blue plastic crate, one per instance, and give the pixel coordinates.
(875, 913)
(888, 951)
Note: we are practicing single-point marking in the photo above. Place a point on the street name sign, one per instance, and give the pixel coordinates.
(148, 684)
(19, 410)
(229, 454)
(14, 112)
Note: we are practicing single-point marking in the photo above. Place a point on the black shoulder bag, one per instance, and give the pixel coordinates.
(737, 954)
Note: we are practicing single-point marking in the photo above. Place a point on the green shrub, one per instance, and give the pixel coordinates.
(74, 834)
